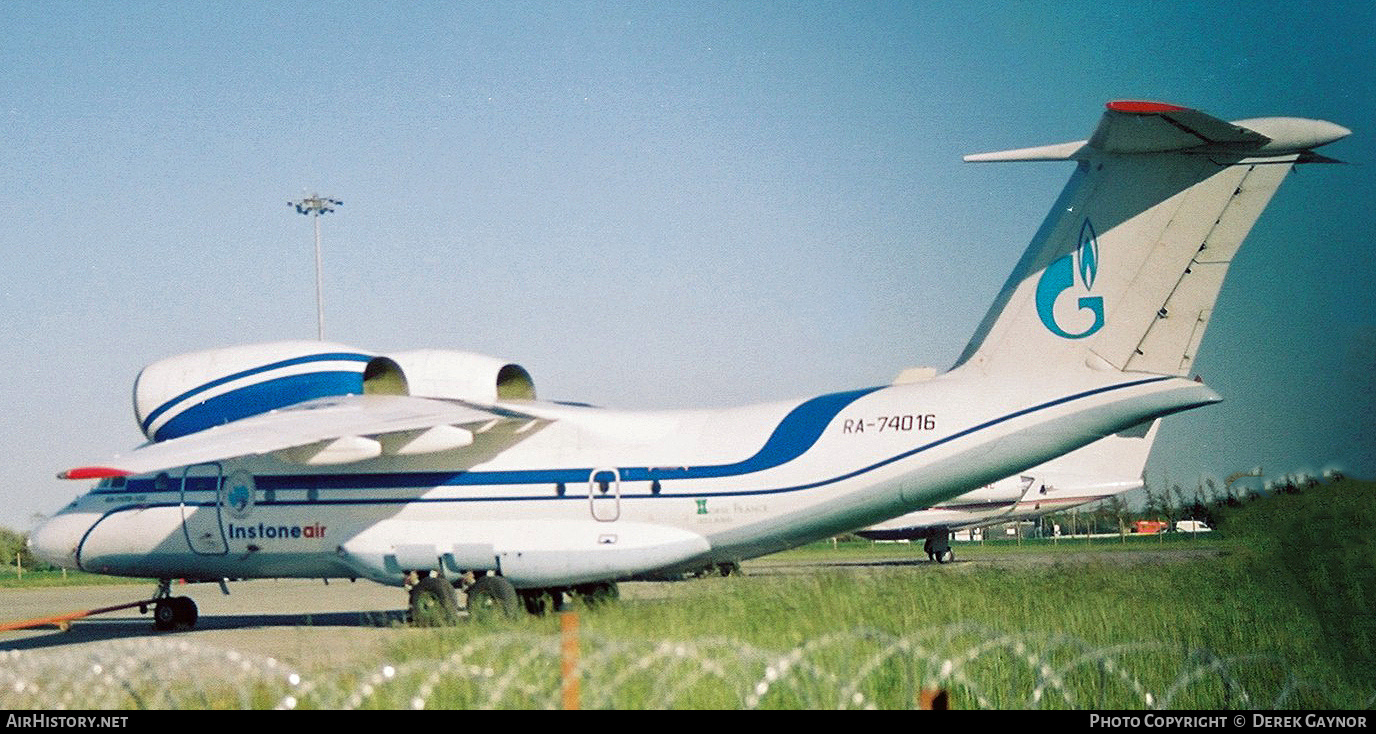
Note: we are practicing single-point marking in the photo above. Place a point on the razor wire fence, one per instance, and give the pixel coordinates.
(856, 668)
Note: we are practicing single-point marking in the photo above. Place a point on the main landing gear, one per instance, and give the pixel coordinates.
(540, 601)
(434, 599)
(172, 612)
(938, 548)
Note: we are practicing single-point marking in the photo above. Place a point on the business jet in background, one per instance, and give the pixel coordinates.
(1103, 469)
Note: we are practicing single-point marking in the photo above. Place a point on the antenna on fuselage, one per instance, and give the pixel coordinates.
(316, 205)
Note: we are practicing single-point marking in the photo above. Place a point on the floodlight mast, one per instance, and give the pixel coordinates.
(314, 206)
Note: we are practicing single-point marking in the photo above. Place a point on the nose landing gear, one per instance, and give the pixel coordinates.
(172, 612)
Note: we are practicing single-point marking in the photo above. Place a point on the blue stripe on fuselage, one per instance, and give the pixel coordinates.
(794, 435)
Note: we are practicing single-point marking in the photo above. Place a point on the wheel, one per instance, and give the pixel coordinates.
(597, 594)
(164, 615)
(178, 612)
(491, 597)
(186, 612)
(730, 568)
(433, 603)
(539, 601)
(946, 556)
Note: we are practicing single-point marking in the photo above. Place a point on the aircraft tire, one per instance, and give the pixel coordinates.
(174, 613)
(433, 603)
(164, 615)
(187, 613)
(539, 601)
(491, 597)
(946, 556)
(597, 594)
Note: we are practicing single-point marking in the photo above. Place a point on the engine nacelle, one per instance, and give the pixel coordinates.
(441, 373)
(192, 392)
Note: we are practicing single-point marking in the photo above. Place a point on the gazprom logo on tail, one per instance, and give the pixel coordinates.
(1060, 276)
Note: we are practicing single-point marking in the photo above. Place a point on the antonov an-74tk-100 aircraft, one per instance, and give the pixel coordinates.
(434, 468)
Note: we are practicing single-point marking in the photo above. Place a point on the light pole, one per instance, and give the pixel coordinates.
(316, 205)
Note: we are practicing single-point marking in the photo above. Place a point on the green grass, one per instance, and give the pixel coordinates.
(1280, 617)
(1196, 636)
(1316, 554)
(864, 549)
(10, 579)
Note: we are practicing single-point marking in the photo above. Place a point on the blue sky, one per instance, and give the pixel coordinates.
(646, 204)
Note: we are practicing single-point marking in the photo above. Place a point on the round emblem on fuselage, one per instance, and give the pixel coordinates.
(237, 494)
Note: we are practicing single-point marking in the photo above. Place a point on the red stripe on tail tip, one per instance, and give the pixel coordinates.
(1142, 107)
(93, 472)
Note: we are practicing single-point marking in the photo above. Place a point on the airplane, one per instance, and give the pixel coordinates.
(434, 469)
(1106, 468)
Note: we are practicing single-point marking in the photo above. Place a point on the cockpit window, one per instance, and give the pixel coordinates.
(114, 484)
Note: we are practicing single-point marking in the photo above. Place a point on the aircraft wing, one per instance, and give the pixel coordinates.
(333, 430)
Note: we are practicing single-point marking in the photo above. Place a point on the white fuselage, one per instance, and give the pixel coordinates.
(663, 489)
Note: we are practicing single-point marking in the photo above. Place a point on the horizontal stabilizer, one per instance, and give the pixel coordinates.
(1130, 126)
(1152, 127)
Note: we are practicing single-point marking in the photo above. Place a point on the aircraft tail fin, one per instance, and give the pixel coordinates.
(1111, 465)
(1124, 272)
(1106, 468)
